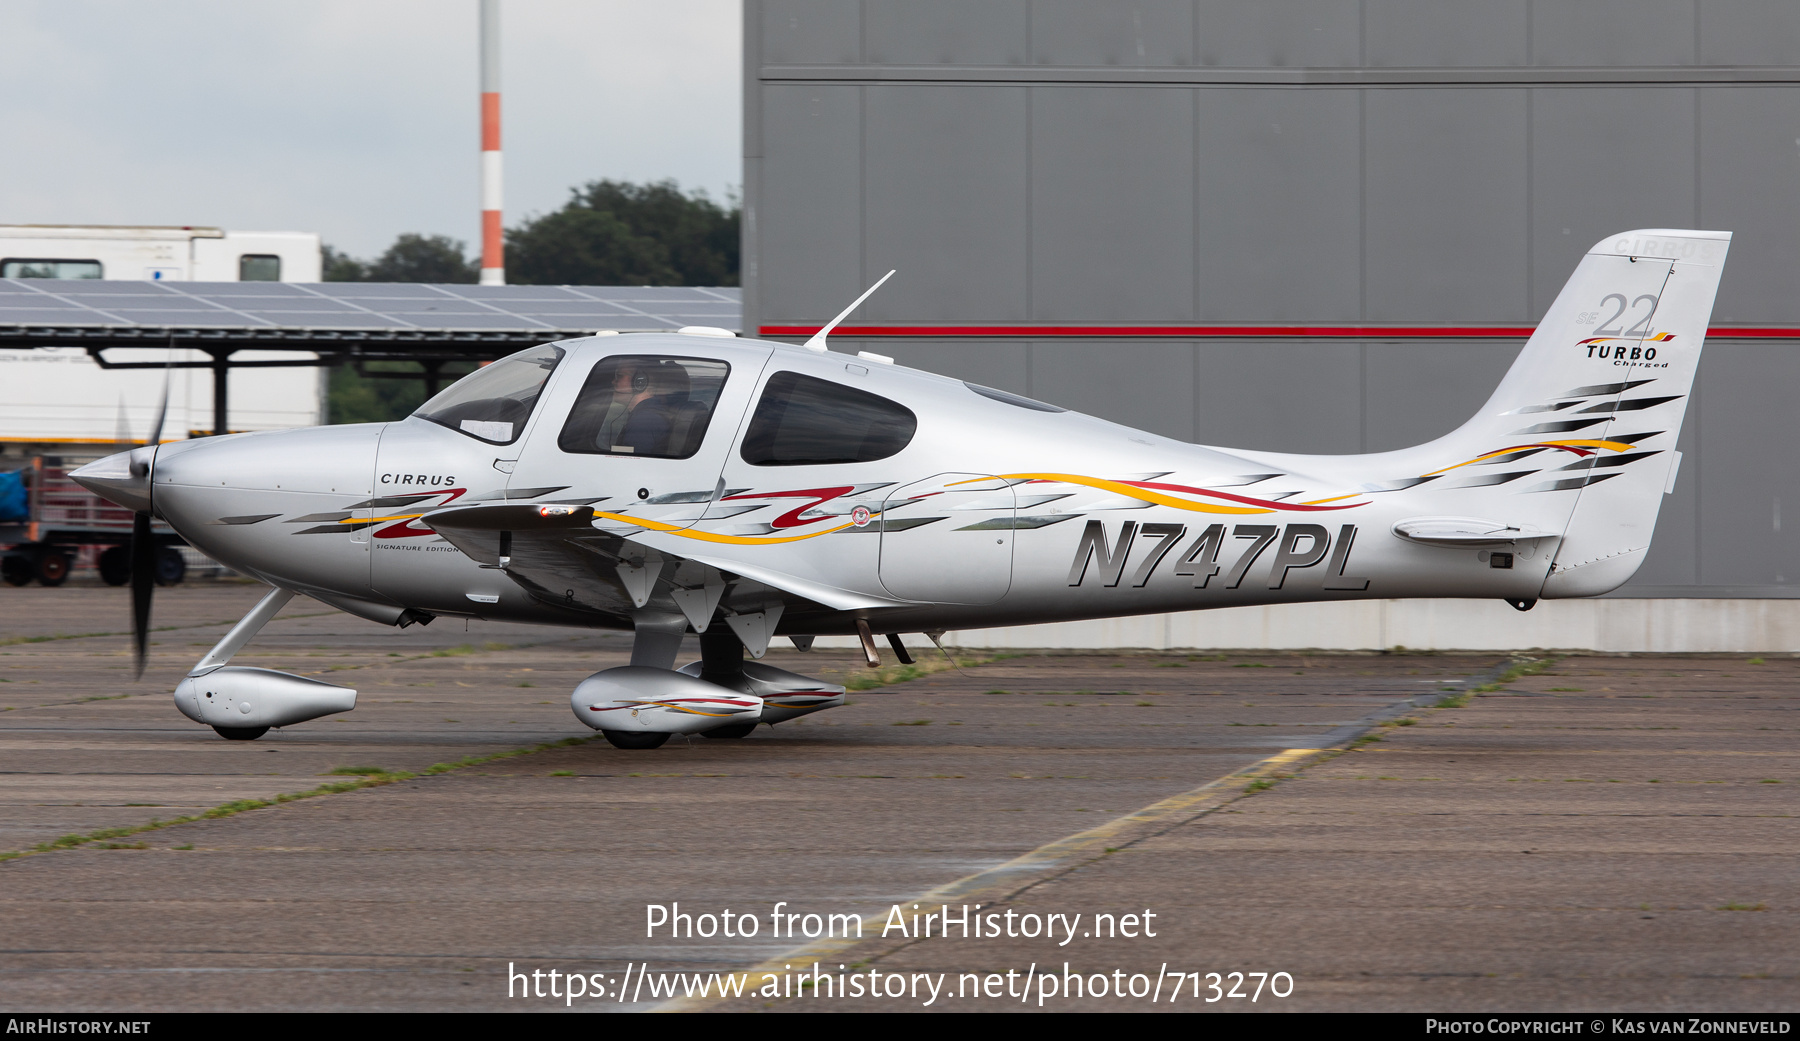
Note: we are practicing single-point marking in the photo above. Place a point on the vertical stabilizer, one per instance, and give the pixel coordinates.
(1604, 383)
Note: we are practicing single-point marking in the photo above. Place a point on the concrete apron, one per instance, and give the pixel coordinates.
(1621, 626)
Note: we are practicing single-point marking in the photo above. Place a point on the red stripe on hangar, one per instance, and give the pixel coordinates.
(1297, 332)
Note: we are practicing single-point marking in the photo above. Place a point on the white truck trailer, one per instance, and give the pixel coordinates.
(59, 408)
(59, 401)
(157, 254)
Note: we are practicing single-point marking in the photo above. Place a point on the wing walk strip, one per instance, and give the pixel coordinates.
(1002, 882)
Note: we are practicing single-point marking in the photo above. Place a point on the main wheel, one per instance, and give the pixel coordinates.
(631, 739)
(171, 567)
(16, 571)
(734, 730)
(115, 566)
(52, 567)
(241, 733)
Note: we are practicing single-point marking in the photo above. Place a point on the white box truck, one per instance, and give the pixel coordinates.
(157, 254)
(57, 400)
(58, 408)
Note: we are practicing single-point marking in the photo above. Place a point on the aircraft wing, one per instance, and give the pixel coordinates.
(554, 552)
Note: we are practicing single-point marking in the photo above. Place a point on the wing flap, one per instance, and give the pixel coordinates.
(555, 553)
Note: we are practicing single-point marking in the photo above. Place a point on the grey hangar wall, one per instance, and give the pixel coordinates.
(1034, 165)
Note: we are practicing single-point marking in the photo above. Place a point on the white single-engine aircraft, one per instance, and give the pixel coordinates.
(743, 490)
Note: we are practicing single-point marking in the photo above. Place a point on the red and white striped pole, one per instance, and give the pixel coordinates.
(493, 257)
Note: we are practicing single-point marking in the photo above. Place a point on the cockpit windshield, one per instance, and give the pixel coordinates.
(493, 402)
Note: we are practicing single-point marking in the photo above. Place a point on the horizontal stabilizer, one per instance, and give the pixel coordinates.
(1461, 532)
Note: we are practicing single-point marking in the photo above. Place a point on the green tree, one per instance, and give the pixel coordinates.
(609, 233)
(356, 398)
(424, 258)
(412, 258)
(342, 267)
(616, 233)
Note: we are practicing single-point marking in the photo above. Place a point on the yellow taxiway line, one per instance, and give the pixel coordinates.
(1004, 881)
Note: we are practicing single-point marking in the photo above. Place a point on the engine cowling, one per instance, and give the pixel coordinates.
(244, 698)
(785, 695)
(659, 701)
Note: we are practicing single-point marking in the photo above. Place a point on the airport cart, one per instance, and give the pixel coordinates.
(45, 519)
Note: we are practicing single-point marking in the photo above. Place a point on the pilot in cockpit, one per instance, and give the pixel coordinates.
(628, 383)
(644, 406)
(658, 391)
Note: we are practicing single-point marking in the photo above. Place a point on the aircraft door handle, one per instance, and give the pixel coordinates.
(505, 466)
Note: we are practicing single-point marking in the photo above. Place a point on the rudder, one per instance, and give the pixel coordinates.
(1606, 378)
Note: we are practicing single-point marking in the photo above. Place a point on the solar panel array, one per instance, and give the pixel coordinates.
(362, 306)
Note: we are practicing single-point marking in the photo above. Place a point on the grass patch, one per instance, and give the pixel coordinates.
(358, 771)
(869, 679)
(912, 723)
(1249, 665)
(1258, 785)
(562, 773)
(1520, 668)
(10, 641)
(237, 806)
(458, 651)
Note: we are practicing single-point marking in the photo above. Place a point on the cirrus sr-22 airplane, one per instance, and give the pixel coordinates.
(746, 490)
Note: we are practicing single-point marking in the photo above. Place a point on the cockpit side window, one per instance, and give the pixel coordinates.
(492, 403)
(644, 405)
(802, 421)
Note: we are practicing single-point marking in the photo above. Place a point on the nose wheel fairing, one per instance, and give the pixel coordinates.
(242, 704)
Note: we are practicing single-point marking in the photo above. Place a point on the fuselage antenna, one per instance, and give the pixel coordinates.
(817, 341)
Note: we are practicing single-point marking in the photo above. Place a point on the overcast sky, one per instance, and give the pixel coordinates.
(357, 119)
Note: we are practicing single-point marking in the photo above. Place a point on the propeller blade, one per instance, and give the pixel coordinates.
(143, 548)
(162, 410)
(143, 581)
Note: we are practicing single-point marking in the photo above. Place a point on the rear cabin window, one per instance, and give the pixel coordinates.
(803, 421)
(493, 402)
(22, 268)
(642, 405)
(259, 267)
